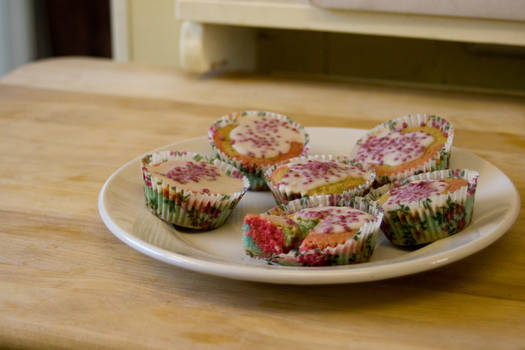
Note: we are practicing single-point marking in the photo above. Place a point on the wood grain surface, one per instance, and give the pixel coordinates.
(66, 282)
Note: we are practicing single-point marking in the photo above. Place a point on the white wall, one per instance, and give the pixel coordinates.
(17, 34)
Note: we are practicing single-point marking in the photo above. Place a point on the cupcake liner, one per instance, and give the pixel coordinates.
(282, 196)
(254, 173)
(256, 180)
(438, 162)
(357, 249)
(431, 219)
(184, 207)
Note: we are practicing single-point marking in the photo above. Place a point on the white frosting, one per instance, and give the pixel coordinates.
(264, 137)
(207, 178)
(415, 191)
(334, 219)
(304, 175)
(393, 147)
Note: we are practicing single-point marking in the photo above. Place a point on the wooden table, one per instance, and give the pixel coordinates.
(67, 282)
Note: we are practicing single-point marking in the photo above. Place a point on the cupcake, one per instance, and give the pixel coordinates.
(315, 231)
(405, 146)
(191, 190)
(318, 175)
(252, 141)
(427, 207)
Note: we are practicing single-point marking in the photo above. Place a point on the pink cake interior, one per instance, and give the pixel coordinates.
(267, 236)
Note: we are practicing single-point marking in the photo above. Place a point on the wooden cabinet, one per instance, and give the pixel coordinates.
(232, 18)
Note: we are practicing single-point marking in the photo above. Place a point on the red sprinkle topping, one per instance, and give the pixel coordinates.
(393, 146)
(192, 171)
(335, 219)
(341, 223)
(415, 191)
(263, 135)
(316, 169)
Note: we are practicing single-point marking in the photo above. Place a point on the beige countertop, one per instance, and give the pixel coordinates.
(66, 282)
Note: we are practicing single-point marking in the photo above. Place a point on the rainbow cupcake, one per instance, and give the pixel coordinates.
(315, 231)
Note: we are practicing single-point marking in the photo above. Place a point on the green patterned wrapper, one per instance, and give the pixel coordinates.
(283, 196)
(186, 208)
(438, 162)
(254, 173)
(433, 218)
(357, 249)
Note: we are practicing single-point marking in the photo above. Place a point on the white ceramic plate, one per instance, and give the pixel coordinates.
(220, 252)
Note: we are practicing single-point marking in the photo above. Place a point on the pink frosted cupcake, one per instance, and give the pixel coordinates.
(191, 190)
(430, 206)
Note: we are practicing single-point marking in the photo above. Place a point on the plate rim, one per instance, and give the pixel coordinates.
(306, 275)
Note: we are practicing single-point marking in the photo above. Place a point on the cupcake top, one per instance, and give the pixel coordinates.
(333, 219)
(264, 137)
(405, 146)
(309, 176)
(254, 140)
(396, 147)
(419, 190)
(393, 147)
(196, 176)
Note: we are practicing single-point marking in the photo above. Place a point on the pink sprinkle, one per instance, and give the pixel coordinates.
(415, 191)
(193, 172)
(317, 170)
(263, 135)
(408, 146)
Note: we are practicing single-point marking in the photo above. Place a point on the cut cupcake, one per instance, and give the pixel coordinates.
(316, 236)
(427, 207)
(252, 141)
(268, 235)
(406, 146)
(191, 190)
(318, 175)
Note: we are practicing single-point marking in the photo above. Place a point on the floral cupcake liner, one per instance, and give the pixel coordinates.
(256, 180)
(254, 173)
(282, 197)
(431, 219)
(184, 207)
(438, 162)
(357, 249)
